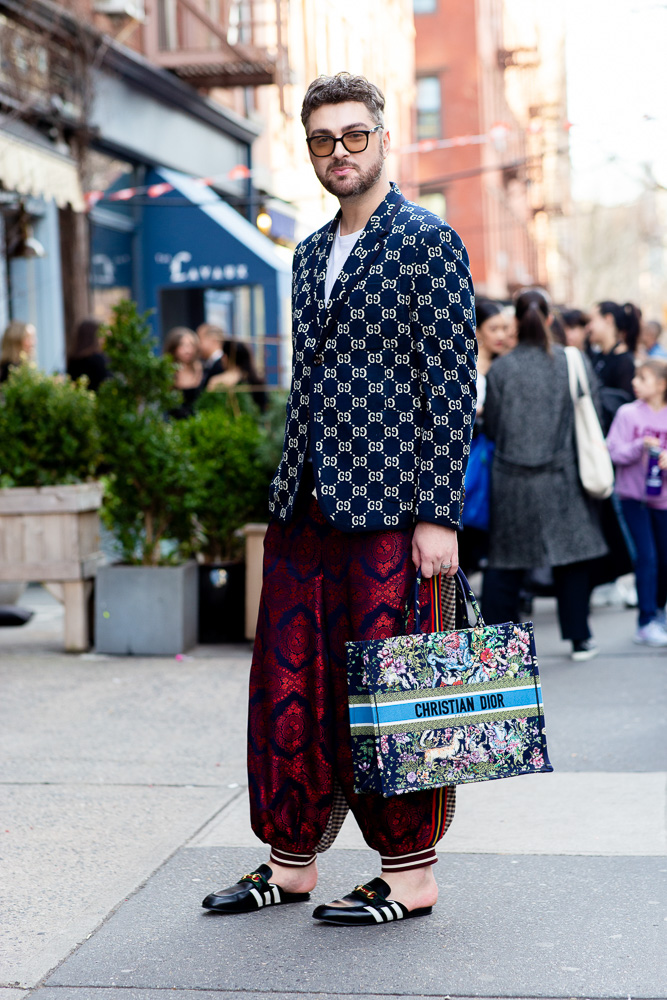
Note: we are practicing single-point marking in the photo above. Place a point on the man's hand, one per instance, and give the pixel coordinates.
(435, 549)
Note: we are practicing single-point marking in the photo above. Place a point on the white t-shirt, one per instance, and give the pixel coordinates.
(340, 251)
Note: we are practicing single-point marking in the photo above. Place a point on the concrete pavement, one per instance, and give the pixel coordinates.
(123, 802)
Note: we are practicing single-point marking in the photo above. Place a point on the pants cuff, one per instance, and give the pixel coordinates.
(290, 860)
(407, 862)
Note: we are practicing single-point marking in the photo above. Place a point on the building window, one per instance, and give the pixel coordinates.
(428, 107)
(435, 202)
(424, 6)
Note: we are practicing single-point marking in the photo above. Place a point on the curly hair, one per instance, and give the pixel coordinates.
(341, 88)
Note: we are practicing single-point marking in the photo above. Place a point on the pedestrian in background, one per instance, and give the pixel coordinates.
(182, 344)
(575, 322)
(239, 370)
(492, 337)
(491, 343)
(613, 332)
(557, 329)
(637, 442)
(19, 342)
(540, 514)
(211, 340)
(87, 358)
(510, 328)
(649, 340)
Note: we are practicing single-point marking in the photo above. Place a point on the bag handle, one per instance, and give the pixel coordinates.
(577, 376)
(436, 601)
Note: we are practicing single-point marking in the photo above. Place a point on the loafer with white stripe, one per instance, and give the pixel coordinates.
(367, 904)
(252, 892)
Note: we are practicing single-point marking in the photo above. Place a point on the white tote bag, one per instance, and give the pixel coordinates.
(595, 466)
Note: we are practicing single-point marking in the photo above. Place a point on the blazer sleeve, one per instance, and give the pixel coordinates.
(443, 336)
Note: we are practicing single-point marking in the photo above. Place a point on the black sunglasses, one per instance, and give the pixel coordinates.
(355, 141)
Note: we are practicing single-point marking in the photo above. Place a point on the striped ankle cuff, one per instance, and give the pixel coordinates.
(290, 860)
(406, 862)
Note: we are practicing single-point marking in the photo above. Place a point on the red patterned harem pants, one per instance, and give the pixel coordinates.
(323, 587)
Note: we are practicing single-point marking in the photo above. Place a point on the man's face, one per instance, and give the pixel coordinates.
(344, 174)
(208, 345)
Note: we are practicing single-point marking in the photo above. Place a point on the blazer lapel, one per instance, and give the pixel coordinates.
(320, 263)
(356, 263)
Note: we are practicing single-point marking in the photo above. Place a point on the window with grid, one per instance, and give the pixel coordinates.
(429, 107)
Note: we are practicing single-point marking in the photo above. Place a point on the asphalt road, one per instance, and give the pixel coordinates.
(123, 803)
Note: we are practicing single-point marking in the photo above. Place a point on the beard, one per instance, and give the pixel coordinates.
(357, 183)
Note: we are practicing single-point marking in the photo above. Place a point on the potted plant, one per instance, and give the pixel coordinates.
(147, 604)
(232, 485)
(49, 500)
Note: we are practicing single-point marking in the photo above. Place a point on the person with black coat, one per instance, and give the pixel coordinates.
(86, 357)
(613, 332)
(239, 370)
(211, 340)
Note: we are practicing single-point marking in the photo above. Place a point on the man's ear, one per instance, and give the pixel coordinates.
(386, 142)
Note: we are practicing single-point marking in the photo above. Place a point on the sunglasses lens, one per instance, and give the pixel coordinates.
(355, 141)
(322, 145)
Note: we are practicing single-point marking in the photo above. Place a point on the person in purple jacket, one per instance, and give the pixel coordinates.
(637, 443)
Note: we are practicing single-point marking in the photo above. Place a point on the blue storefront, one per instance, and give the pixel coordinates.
(180, 249)
(203, 262)
(190, 258)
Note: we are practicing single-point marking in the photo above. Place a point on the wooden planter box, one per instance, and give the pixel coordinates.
(50, 534)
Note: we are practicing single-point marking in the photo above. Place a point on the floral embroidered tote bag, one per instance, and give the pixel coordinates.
(445, 708)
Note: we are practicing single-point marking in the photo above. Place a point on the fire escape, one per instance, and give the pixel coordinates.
(219, 43)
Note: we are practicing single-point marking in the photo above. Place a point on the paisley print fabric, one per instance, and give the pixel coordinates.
(323, 587)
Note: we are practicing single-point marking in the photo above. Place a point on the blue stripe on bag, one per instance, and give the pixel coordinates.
(449, 707)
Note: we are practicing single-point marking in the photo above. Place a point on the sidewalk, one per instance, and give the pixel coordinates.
(123, 802)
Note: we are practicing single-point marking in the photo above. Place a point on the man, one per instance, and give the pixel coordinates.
(369, 487)
(211, 339)
(649, 340)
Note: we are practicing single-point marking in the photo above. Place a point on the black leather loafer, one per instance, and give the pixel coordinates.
(367, 904)
(252, 892)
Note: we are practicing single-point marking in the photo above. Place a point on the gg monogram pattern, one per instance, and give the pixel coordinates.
(383, 385)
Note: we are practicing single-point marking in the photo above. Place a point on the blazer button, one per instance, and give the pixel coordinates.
(318, 359)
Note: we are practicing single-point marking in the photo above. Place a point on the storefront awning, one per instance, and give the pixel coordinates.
(31, 168)
(191, 237)
(193, 245)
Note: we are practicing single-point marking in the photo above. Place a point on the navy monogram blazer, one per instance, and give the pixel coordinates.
(383, 384)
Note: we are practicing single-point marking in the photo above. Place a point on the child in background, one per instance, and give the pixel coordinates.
(637, 443)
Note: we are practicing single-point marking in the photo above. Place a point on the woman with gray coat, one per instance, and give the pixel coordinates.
(540, 515)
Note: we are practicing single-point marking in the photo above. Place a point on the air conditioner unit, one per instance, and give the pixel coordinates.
(127, 8)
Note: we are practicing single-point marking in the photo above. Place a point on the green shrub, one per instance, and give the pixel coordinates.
(272, 436)
(48, 430)
(151, 485)
(232, 483)
(236, 451)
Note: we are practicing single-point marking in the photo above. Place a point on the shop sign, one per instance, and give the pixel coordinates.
(181, 269)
